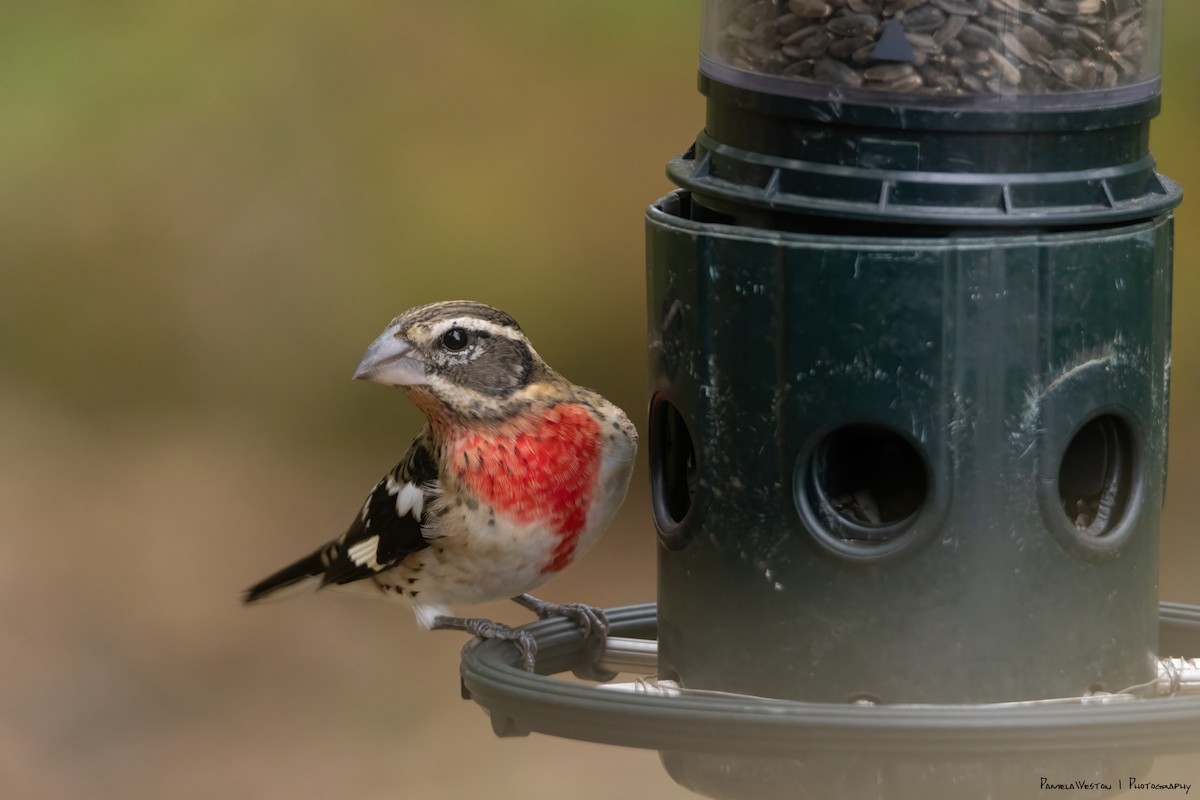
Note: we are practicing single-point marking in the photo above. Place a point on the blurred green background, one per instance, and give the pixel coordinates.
(207, 210)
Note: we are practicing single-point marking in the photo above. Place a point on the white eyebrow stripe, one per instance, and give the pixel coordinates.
(475, 324)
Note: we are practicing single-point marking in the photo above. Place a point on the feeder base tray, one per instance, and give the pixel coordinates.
(731, 746)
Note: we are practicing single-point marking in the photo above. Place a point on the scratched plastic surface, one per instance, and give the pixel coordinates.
(924, 470)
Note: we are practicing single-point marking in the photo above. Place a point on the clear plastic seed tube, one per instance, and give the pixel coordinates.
(1072, 52)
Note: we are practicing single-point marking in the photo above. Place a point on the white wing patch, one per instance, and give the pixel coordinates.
(410, 500)
(363, 553)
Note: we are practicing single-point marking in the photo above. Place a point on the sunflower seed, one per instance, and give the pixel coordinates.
(975, 36)
(830, 71)
(799, 69)
(1008, 70)
(1013, 45)
(854, 25)
(923, 19)
(789, 23)
(957, 46)
(1066, 68)
(798, 36)
(755, 13)
(923, 43)
(1126, 36)
(889, 72)
(812, 47)
(810, 9)
(873, 7)
(740, 33)
(900, 6)
(977, 56)
(845, 48)
(949, 29)
(1034, 41)
(908, 83)
(1067, 7)
(964, 8)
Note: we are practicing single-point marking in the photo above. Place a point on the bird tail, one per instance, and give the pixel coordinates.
(294, 575)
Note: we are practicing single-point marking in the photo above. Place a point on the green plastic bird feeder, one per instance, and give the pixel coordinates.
(909, 334)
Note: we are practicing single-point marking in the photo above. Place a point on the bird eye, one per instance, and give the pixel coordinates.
(454, 339)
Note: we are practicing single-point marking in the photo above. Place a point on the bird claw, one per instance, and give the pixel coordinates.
(592, 620)
(487, 629)
(596, 628)
(524, 641)
(589, 618)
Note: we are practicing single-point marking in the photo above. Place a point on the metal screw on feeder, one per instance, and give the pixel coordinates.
(909, 340)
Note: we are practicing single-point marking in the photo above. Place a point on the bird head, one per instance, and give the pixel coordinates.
(459, 361)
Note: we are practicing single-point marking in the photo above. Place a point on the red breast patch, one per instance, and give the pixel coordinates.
(541, 470)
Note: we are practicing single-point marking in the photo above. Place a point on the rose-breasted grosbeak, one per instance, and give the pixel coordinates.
(517, 473)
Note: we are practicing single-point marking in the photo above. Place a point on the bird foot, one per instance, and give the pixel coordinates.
(487, 629)
(591, 620)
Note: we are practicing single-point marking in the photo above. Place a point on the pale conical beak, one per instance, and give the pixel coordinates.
(391, 360)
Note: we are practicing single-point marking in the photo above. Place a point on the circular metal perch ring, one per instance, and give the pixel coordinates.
(520, 702)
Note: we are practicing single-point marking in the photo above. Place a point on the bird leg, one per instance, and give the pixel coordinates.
(590, 618)
(486, 629)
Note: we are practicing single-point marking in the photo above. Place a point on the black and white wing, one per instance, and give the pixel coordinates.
(390, 527)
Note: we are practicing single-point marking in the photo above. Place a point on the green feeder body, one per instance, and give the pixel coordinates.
(910, 344)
